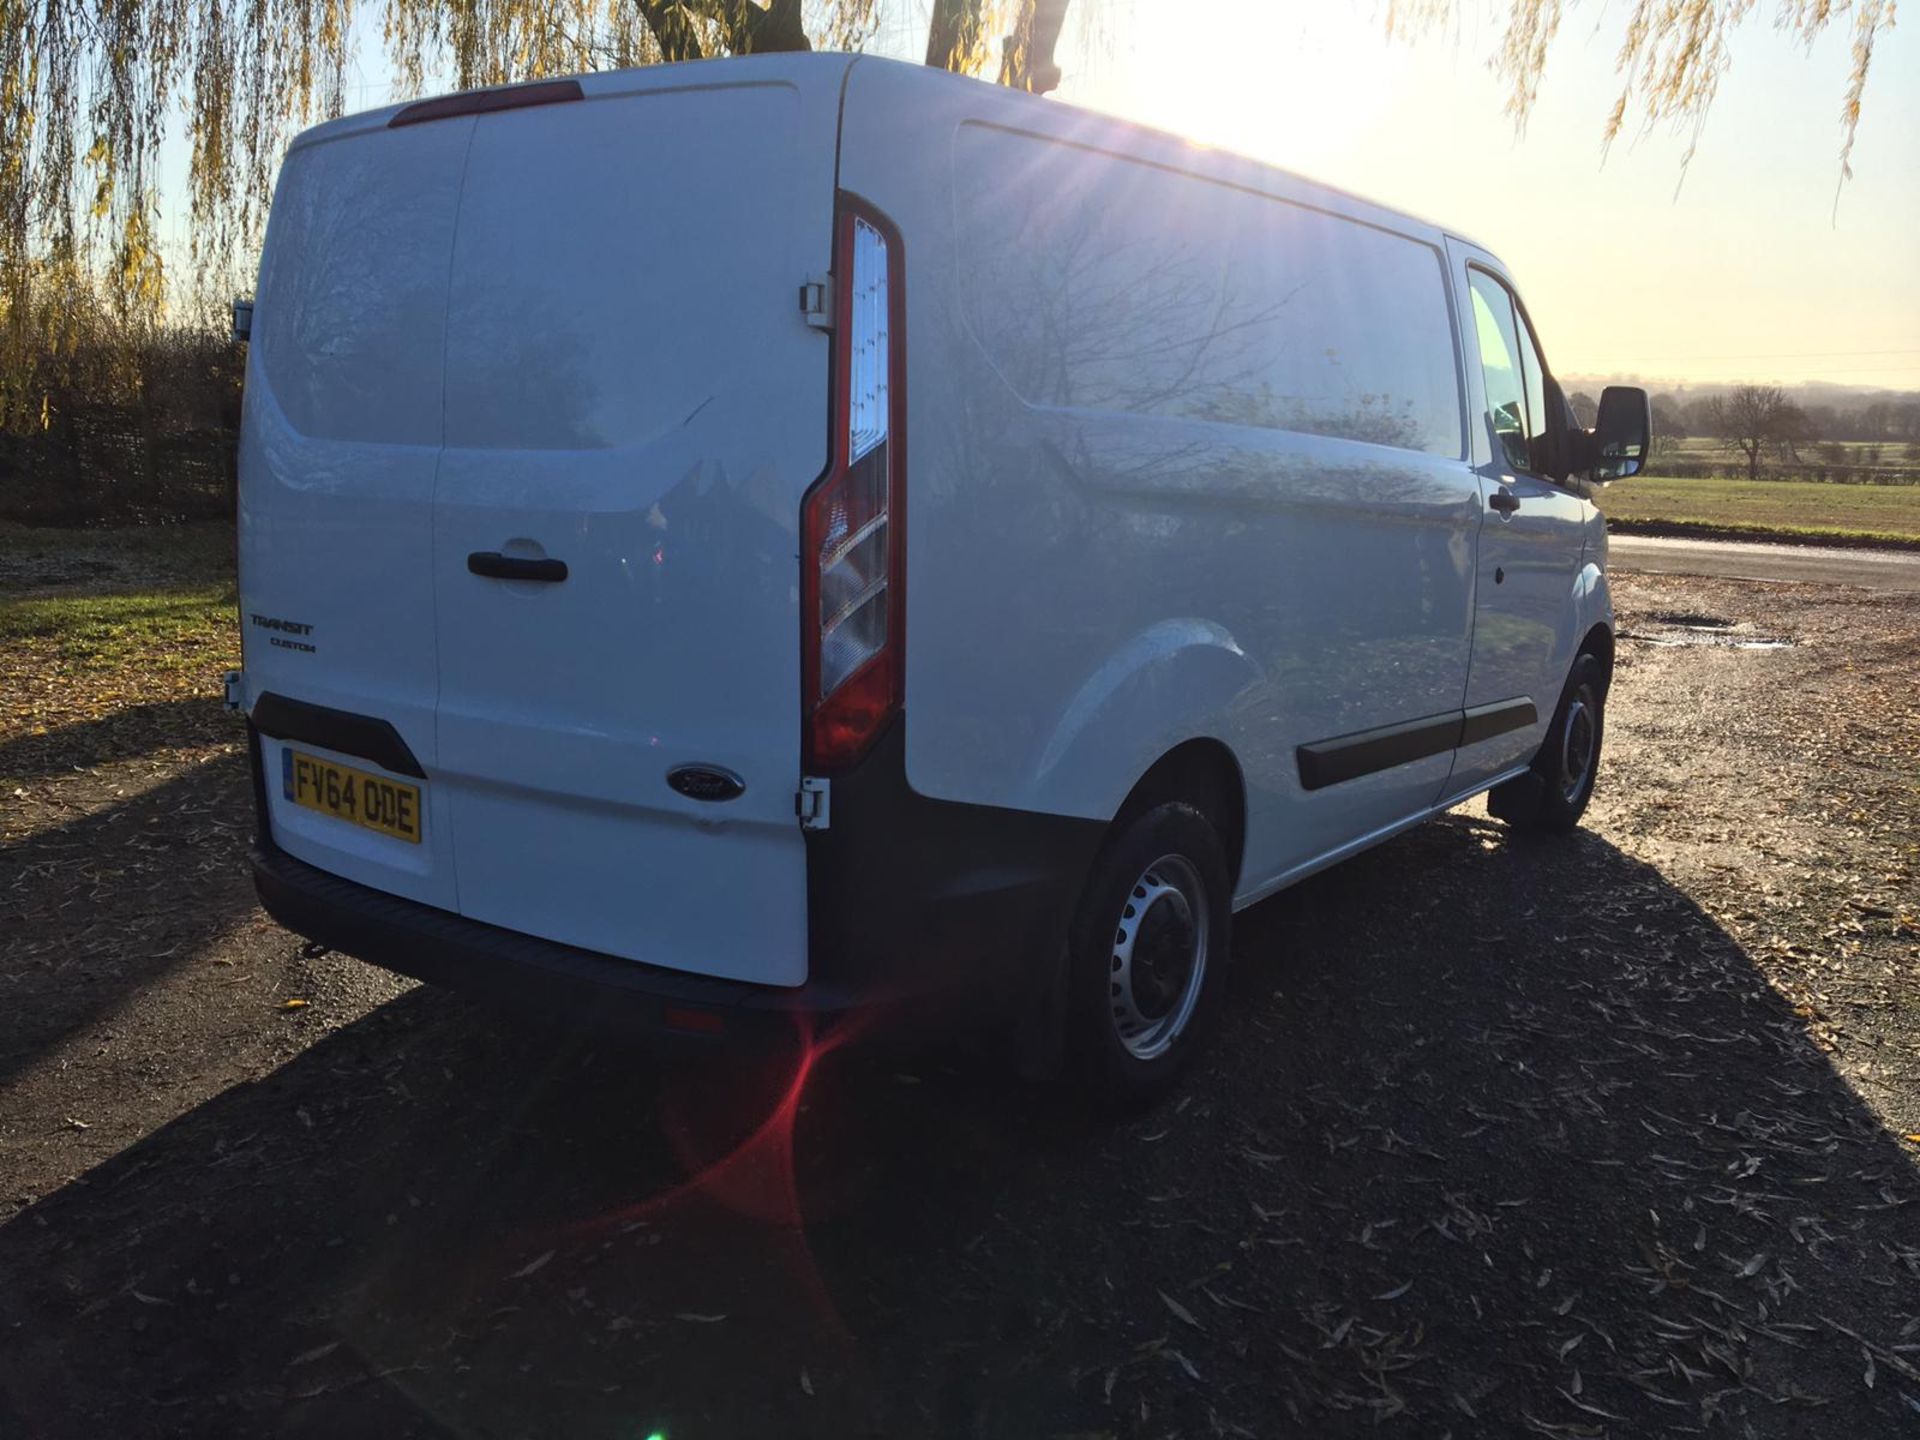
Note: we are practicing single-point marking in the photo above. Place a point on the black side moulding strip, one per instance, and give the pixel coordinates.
(1483, 722)
(1348, 757)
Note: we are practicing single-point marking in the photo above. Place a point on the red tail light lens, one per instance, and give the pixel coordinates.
(853, 597)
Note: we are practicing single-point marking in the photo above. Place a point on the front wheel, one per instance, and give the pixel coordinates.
(1148, 954)
(1554, 794)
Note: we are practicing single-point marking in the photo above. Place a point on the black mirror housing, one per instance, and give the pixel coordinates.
(1622, 433)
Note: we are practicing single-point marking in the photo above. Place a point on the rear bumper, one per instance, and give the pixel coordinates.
(601, 992)
(924, 909)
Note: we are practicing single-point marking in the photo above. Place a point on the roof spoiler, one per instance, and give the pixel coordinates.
(485, 102)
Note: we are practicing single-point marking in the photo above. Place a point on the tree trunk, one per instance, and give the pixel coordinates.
(672, 30)
(1026, 58)
(953, 35)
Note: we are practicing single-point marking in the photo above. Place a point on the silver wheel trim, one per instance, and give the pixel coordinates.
(1577, 744)
(1170, 880)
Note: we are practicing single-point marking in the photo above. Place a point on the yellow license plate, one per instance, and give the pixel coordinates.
(373, 801)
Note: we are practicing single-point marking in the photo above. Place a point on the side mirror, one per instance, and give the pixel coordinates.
(1623, 433)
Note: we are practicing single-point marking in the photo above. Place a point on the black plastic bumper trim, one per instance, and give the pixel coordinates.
(918, 895)
(339, 730)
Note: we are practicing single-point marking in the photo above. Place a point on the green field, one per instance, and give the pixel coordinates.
(1791, 508)
(93, 622)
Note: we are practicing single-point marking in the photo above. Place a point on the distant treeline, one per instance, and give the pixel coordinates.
(100, 424)
(1853, 413)
(155, 445)
(1892, 421)
(104, 421)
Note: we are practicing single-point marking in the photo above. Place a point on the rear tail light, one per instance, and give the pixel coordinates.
(853, 585)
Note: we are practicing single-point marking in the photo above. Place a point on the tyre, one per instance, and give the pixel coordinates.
(1148, 954)
(1553, 795)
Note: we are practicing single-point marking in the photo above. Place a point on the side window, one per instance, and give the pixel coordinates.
(1532, 373)
(1104, 283)
(1501, 364)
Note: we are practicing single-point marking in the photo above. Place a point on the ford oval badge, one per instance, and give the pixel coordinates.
(706, 782)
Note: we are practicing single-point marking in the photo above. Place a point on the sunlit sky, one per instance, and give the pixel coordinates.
(1740, 267)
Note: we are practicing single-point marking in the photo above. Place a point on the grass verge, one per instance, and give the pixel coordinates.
(95, 621)
(1793, 510)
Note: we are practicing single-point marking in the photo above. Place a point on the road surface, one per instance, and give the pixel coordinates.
(1895, 570)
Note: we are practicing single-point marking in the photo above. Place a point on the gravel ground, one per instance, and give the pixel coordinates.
(1617, 1135)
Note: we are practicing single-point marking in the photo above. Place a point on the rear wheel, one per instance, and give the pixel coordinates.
(1554, 794)
(1148, 953)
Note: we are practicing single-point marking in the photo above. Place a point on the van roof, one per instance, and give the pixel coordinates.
(816, 68)
(830, 67)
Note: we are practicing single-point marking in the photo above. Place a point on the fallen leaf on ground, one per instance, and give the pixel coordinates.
(531, 1266)
(1180, 1311)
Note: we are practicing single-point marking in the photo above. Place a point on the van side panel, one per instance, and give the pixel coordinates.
(1187, 458)
(338, 450)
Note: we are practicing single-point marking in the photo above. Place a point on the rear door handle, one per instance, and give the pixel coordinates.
(495, 566)
(1505, 501)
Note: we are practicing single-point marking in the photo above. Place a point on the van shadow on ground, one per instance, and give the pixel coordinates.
(95, 910)
(126, 733)
(1501, 1139)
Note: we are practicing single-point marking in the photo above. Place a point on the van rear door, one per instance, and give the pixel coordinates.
(338, 454)
(633, 396)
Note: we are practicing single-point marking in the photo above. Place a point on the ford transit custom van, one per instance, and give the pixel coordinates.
(728, 546)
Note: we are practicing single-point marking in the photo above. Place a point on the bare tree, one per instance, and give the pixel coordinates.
(1793, 427)
(1756, 419)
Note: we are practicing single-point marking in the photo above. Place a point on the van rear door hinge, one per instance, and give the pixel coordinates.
(814, 803)
(816, 302)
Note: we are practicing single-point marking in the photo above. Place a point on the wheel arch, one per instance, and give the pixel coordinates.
(1204, 773)
(1598, 642)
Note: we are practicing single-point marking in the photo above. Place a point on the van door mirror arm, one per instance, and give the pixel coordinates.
(1583, 451)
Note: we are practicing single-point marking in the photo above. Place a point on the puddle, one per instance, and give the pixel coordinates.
(1719, 636)
(1673, 631)
(1716, 642)
(1689, 620)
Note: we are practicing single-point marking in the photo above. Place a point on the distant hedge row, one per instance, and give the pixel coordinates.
(139, 433)
(1721, 469)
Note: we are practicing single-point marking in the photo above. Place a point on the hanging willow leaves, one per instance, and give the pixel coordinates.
(1671, 56)
(91, 89)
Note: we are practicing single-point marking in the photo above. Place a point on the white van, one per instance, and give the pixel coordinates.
(739, 543)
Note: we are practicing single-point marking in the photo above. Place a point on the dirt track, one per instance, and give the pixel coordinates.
(1601, 1137)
